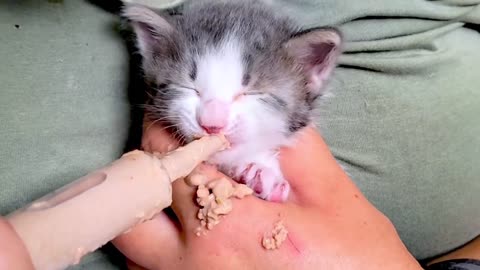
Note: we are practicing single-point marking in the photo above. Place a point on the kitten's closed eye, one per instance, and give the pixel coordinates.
(193, 72)
(252, 93)
(178, 86)
(246, 79)
(248, 93)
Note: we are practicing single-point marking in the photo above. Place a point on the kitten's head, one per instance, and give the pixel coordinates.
(234, 68)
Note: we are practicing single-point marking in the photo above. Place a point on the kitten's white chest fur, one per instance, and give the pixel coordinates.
(253, 156)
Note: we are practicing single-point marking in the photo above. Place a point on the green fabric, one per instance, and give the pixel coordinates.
(405, 117)
(404, 120)
(63, 104)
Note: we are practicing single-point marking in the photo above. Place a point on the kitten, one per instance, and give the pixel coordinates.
(237, 68)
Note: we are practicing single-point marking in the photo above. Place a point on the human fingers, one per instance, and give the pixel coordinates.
(156, 138)
(13, 253)
(161, 235)
(184, 198)
(152, 242)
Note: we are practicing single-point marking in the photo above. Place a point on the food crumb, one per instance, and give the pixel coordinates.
(241, 191)
(196, 180)
(276, 237)
(214, 199)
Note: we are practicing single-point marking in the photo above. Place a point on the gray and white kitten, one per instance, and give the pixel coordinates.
(239, 68)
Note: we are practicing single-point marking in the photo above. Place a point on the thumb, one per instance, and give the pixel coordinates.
(310, 167)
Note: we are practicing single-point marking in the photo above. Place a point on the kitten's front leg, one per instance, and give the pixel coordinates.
(264, 176)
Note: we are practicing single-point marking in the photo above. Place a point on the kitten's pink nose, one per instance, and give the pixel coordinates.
(214, 116)
(212, 130)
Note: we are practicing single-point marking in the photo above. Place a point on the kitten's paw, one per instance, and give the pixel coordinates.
(265, 182)
(280, 192)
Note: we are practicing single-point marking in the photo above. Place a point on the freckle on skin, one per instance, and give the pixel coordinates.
(356, 196)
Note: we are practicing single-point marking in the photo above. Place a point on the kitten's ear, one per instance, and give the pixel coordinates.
(155, 35)
(316, 51)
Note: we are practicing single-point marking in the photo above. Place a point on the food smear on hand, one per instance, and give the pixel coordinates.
(276, 237)
(214, 199)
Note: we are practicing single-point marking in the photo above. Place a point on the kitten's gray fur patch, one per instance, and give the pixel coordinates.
(205, 25)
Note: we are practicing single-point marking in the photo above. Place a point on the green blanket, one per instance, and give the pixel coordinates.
(404, 120)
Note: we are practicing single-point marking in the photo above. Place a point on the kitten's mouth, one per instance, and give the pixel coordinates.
(231, 140)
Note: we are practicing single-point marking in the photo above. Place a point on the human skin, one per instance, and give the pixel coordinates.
(13, 253)
(331, 224)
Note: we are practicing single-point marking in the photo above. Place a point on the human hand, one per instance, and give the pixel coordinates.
(13, 254)
(331, 224)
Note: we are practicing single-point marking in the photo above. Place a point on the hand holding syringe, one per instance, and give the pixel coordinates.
(326, 205)
(59, 229)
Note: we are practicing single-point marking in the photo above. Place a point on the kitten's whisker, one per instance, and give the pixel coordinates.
(151, 125)
(170, 126)
(189, 121)
(150, 95)
(159, 115)
(179, 136)
(161, 119)
(183, 86)
(156, 108)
